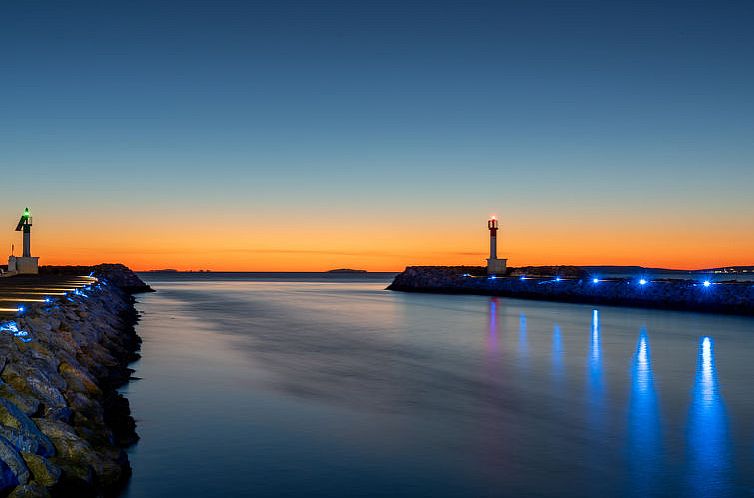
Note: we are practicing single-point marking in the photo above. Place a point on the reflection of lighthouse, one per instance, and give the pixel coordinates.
(495, 266)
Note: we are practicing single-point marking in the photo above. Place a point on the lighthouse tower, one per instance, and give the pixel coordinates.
(495, 266)
(25, 264)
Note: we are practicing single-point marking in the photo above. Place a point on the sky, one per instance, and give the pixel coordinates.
(310, 135)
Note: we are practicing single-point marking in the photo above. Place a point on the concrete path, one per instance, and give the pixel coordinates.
(22, 290)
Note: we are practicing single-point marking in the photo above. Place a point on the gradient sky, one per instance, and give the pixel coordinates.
(308, 135)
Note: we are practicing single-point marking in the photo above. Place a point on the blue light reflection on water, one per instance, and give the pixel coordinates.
(557, 353)
(644, 425)
(596, 387)
(523, 343)
(596, 416)
(708, 446)
(395, 394)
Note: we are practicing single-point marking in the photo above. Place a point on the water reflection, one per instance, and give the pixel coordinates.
(523, 345)
(557, 353)
(595, 360)
(707, 437)
(492, 428)
(386, 394)
(595, 394)
(493, 334)
(644, 434)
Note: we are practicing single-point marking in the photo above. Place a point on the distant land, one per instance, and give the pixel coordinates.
(610, 269)
(729, 269)
(173, 270)
(595, 269)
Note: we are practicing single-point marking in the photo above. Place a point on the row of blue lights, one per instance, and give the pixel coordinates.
(644, 281)
(49, 300)
(595, 280)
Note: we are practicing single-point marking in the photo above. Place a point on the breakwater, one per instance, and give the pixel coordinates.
(722, 297)
(63, 425)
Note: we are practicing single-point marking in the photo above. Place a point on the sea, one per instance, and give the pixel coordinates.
(328, 385)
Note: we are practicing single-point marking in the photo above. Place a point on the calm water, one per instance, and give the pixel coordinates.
(315, 385)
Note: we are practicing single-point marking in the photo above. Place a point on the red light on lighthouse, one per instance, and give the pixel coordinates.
(492, 225)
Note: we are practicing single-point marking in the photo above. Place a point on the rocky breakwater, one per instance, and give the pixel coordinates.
(723, 297)
(63, 426)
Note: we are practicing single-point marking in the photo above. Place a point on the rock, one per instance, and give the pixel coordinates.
(23, 441)
(62, 422)
(26, 403)
(118, 417)
(62, 413)
(7, 477)
(27, 431)
(10, 457)
(42, 471)
(68, 445)
(78, 380)
(78, 476)
(31, 490)
(35, 382)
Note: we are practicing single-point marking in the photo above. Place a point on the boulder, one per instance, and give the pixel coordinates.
(42, 470)
(26, 403)
(78, 380)
(68, 445)
(12, 417)
(12, 458)
(7, 478)
(31, 490)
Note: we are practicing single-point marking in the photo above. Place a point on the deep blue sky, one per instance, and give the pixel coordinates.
(550, 113)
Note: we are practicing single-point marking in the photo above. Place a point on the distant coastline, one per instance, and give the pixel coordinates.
(345, 270)
(173, 270)
(634, 270)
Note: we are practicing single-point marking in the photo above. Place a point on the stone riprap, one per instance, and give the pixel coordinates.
(723, 297)
(63, 425)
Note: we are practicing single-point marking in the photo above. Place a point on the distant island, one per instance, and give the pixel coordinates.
(346, 270)
(172, 270)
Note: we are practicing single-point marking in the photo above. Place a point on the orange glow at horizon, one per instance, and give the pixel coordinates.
(378, 245)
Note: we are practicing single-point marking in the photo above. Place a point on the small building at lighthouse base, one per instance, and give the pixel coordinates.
(496, 266)
(23, 265)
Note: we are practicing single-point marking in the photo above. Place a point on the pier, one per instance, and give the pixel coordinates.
(682, 294)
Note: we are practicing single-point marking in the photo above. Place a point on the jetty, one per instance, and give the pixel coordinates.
(574, 284)
(66, 339)
(678, 294)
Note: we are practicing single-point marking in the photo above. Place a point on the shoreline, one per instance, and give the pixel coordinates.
(735, 298)
(63, 425)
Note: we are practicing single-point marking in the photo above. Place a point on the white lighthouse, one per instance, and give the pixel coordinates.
(25, 264)
(495, 266)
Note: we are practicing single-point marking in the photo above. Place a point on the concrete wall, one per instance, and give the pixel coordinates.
(23, 265)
